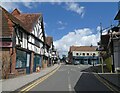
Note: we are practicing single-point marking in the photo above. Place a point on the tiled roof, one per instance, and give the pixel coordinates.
(117, 17)
(49, 40)
(83, 48)
(7, 22)
(27, 19)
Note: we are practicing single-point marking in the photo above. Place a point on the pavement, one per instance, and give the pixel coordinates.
(111, 78)
(18, 82)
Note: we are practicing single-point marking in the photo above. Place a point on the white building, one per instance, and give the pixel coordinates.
(83, 55)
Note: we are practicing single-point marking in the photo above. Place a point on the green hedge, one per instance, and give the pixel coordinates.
(108, 62)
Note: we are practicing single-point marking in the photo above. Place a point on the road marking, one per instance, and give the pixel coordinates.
(68, 72)
(69, 84)
(70, 88)
(106, 83)
(37, 82)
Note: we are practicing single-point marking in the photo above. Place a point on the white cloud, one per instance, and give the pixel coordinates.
(45, 24)
(75, 7)
(62, 25)
(28, 5)
(60, 22)
(78, 37)
(59, 1)
(104, 31)
(9, 6)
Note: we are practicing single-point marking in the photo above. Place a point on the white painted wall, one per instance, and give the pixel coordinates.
(37, 31)
(117, 54)
(24, 44)
(81, 52)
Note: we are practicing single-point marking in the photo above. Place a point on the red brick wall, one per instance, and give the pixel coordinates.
(13, 53)
(32, 62)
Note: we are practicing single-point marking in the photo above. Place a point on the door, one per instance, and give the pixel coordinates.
(28, 64)
(37, 62)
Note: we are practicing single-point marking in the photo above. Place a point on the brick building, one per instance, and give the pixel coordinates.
(23, 40)
(50, 48)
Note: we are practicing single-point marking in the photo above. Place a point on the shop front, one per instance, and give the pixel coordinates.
(85, 60)
(22, 62)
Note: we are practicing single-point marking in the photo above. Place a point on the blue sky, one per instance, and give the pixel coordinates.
(94, 14)
(75, 23)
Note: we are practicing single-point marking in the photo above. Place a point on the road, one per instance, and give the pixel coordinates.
(70, 78)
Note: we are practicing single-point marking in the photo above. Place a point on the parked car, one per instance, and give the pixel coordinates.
(76, 63)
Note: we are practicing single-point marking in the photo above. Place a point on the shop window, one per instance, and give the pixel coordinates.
(21, 59)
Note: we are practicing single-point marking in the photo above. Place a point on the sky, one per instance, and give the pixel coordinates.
(70, 23)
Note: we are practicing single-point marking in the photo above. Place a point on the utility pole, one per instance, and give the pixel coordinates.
(112, 49)
(101, 48)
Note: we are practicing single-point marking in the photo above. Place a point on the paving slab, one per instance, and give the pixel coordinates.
(16, 83)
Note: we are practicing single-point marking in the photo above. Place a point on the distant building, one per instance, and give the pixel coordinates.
(49, 49)
(83, 55)
(55, 56)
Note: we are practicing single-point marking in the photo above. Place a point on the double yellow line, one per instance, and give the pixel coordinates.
(29, 87)
(110, 87)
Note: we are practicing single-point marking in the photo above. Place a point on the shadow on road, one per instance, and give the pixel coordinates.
(88, 83)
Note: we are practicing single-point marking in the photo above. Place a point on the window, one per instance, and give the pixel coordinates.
(94, 54)
(83, 54)
(21, 59)
(87, 54)
(37, 42)
(77, 54)
(20, 35)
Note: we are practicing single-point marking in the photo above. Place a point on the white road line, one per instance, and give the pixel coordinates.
(69, 85)
(70, 88)
(68, 72)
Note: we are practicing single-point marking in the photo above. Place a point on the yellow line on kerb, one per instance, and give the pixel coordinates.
(105, 83)
(24, 90)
